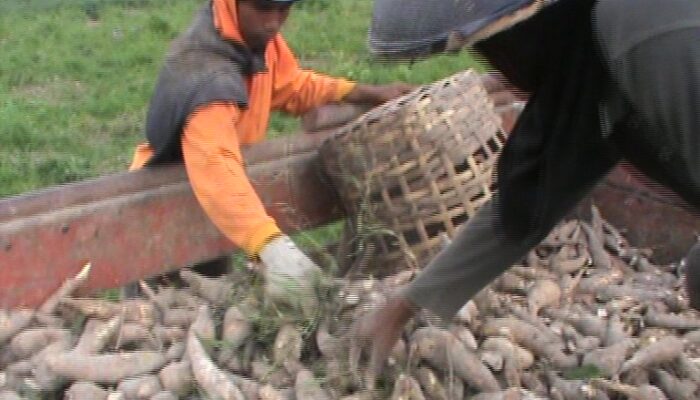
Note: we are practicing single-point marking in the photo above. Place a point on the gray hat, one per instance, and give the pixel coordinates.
(418, 28)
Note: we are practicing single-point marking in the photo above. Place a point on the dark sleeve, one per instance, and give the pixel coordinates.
(477, 255)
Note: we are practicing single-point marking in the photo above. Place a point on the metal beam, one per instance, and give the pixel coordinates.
(138, 224)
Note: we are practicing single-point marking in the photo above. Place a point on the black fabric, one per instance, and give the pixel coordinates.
(556, 151)
(624, 24)
(692, 276)
(661, 79)
(200, 68)
(653, 54)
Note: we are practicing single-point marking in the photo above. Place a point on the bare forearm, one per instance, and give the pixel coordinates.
(376, 94)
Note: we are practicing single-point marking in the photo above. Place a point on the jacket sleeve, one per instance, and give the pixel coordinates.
(296, 90)
(216, 172)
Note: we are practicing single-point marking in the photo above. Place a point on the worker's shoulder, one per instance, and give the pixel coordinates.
(623, 24)
(201, 51)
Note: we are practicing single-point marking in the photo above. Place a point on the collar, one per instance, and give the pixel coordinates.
(226, 23)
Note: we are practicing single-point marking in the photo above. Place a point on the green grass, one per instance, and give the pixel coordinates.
(586, 372)
(73, 94)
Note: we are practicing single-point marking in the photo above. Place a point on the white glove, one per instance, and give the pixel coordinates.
(290, 276)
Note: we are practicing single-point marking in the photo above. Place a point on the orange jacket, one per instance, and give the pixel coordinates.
(213, 134)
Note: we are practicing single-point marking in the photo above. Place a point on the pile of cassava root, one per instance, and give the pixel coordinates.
(585, 316)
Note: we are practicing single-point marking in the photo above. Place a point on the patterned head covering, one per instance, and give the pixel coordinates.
(416, 28)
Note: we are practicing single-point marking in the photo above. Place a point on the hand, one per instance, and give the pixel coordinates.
(497, 85)
(508, 101)
(290, 276)
(378, 94)
(378, 332)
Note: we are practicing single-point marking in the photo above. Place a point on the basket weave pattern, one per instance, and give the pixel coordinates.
(414, 169)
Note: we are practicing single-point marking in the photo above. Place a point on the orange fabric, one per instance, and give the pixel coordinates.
(213, 134)
(226, 21)
(215, 168)
(143, 153)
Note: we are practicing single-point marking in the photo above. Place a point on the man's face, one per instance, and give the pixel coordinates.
(261, 20)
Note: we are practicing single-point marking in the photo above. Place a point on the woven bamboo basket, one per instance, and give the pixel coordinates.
(411, 171)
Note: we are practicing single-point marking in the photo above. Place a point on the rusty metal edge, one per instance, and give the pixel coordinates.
(148, 232)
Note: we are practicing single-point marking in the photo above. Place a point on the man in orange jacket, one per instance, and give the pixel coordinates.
(220, 80)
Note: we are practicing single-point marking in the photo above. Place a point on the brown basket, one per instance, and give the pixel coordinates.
(412, 170)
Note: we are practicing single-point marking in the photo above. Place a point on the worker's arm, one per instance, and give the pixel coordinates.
(476, 256)
(377, 94)
(479, 252)
(297, 91)
(216, 172)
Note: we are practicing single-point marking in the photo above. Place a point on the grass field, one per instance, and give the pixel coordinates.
(74, 92)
